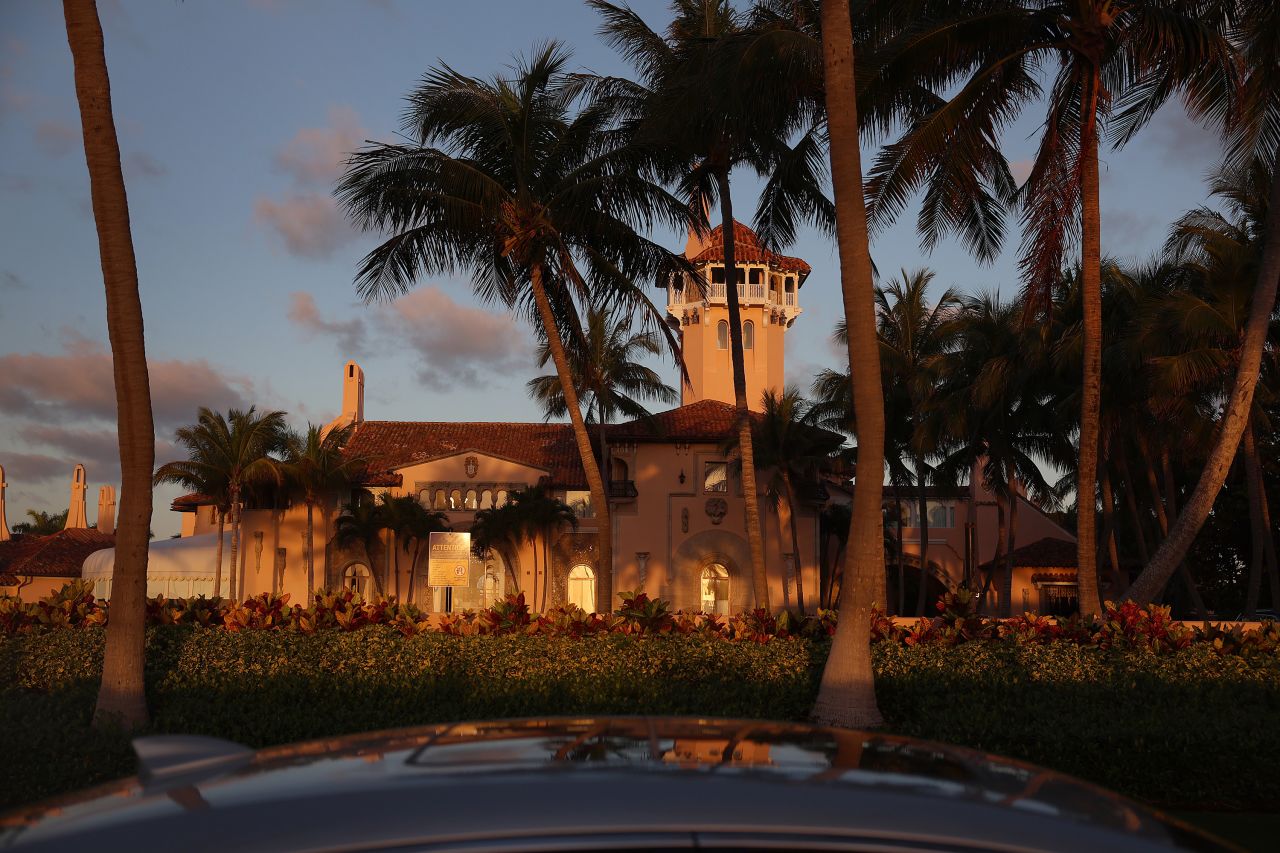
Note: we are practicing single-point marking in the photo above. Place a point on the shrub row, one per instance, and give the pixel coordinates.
(1126, 625)
(1186, 728)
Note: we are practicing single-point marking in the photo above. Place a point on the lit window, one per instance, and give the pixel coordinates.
(715, 477)
(501, 498)
(580, 503)
(486, 499)
(470, 502)
(748, 335)
(722, 334)
(357, 578)
(441, 501)
(582, 587)
(715, 589)
(455, 499)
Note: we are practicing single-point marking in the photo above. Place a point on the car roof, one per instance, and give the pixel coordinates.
(589, 780)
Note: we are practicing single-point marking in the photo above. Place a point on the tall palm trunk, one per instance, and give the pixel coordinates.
(311, 560)
(794, 507)
(847, 693)
(1169, 516)
(746, 447)
(1109, 526)
(997, 563)
(1006, 588)
(217, 568)
(901, 603)
(121, 697)
(922, 594)
(1234, 420)
(1091, 384)
(1253, 481)
(604, 527)
(237, 578)
(1131, 503)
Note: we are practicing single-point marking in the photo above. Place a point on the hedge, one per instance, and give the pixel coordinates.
(1189, 727)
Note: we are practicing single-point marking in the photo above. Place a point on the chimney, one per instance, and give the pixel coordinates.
(4, 525)
(107, 509)
(352, 394)
(697, 243)
(76, 517)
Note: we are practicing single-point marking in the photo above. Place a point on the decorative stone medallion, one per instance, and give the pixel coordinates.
(717, 508)
(472, 466)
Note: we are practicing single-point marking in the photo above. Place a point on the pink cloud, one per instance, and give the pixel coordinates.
(1021, 170)
(318, 154)
(347, 334)
(57, 138)
(455, 344)
(139, 164)
(310, 225)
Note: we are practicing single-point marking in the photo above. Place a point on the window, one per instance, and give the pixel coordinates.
(356, 578)
(942, 514)
(455, 499)
(756, 275)
(619, 469)
(715, 589)
(440, 501)
(470, 502)
(501, 498)
(715, 477)
(722, 334)
(582, 587)
(486, 499)
(717, 275)
(1058, 599)
(748, 335)
(580, 503)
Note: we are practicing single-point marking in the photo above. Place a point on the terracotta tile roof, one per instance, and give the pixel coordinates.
(747, 250)
(390, 445)
(703, 421)
(1047, 553)
(59, 555)
(188, 503)
(8, 580)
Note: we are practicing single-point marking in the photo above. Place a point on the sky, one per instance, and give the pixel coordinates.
(234, 119)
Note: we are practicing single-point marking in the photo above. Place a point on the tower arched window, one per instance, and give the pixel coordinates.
(722, 334)
(715, 589)
(748, 335)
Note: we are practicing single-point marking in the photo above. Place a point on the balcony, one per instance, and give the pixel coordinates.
(622, 490)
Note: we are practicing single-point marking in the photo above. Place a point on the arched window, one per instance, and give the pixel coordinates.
(441, 501)
(486, 499)
(619, 469)
(722, 334)
(748, 335)
(455, 499)
(582, 587)
(715, 589)
(471, 500)
(356, 577)
(501, 498)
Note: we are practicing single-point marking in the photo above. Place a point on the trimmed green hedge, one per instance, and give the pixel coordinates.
(1188, 728)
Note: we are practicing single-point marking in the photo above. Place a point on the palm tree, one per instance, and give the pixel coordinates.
(699, 98)
(499, 529)
(121, 698)
(606, 373)
(231, 452)
(414, 524)
(1100, 51)
(314, 467)
(531, 515)
(846, 694)
(362, 522)
(524, 183)
(790, 448)
(42, 523)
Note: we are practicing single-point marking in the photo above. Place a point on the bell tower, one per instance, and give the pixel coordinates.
(768, 300)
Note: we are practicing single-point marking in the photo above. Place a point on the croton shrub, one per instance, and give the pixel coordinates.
(1125, 625)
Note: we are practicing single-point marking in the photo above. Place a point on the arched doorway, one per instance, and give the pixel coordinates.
(582, 587)
(715, 589)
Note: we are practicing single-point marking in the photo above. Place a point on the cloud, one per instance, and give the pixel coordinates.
(139, 164)
(316, 155)
(78, 385)
(347, 334)
(10, 280)
(56, 138)
(34, 467)
(1128, 232)
(1021, 170)
(1180, 140)
(310, 225)
(456, 345)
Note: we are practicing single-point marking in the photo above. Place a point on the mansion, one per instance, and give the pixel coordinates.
(678, 513)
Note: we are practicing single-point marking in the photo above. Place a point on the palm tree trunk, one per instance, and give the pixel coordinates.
(1234, 420)
(604, 527)
(746, 447)
(236, 578)
(1253, 481)
(1006, 591)
(922, 594)
(311, 562)
(1109, 527)
(121, 696)
(1171, 506)
(795, 540)
(1131, 503)
(1090, 389)
(901, 603)
(847, 692)
(217, 569)
(997, 563)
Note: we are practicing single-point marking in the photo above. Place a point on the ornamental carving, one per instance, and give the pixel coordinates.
(684, 520)
(717, 508)
(472, 466)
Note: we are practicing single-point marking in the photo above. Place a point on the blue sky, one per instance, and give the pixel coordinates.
(233, 119)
